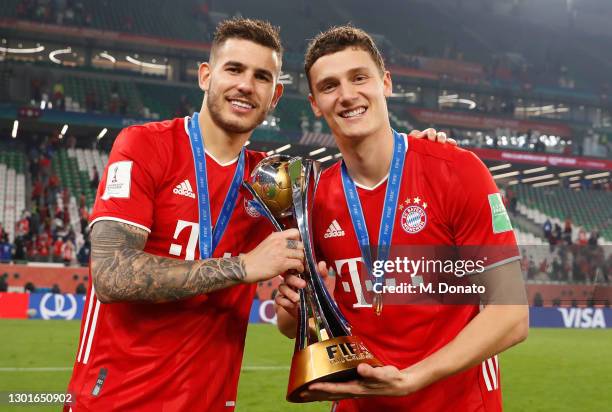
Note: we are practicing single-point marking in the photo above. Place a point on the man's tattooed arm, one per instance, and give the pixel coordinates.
(123, 272)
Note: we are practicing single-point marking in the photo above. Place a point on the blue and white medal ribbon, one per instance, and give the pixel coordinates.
(209, 236)
(387, 220)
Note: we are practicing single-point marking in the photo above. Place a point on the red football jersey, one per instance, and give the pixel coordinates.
(444, 199)
(177, 356)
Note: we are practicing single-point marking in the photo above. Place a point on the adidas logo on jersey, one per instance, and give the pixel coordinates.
(334, 230)
(184, 189)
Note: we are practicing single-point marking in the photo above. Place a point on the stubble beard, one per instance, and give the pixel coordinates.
(214, 103)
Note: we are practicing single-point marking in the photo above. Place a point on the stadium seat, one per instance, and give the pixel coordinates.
(12, 188)
(589, 211)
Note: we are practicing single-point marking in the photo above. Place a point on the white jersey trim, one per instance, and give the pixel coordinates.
(493, 372)
(92, 297)
(116, 219)
(490, 370)
(364, 187)
(92, 332)
(485, 375)
(185, 124)
(231, 162)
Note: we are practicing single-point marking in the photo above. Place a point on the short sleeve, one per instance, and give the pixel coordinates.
(127, 187)
(479, 220)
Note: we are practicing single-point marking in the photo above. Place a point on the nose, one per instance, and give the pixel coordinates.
(348, 94)
(245, 86)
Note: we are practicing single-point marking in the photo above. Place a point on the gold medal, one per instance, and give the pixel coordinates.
(378, 303)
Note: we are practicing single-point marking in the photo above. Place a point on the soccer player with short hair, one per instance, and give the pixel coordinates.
(392, 190)
(170, 291)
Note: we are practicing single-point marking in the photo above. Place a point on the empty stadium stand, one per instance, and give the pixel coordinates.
(77, 90)
(162, 101)
(75, 168)
(12, 188)
(590, 210)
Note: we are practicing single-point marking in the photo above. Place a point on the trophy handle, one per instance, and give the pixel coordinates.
(316, 171)
(304, 175)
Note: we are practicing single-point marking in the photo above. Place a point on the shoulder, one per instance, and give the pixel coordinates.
(437, 152)
(329, 183)
(252, 159)
(254, 156)
(328, 175)
(329, 188)
(433, 150)
(151, 140)
(152, 132)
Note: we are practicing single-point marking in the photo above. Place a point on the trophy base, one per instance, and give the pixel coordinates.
(332, 360)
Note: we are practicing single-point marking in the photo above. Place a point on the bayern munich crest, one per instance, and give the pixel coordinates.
(414, 217)
(251, 209)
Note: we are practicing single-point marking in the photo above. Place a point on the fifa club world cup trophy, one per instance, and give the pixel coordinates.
(283, 190)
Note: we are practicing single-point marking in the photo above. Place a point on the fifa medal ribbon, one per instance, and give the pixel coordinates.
(209, 236)
(387, 220)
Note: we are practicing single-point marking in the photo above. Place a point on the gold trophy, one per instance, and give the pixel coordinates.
(283, 191)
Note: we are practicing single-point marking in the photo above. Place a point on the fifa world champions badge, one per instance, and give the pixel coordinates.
(414, 215)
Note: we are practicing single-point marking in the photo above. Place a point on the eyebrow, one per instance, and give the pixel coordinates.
(233, 63)
(351, 72)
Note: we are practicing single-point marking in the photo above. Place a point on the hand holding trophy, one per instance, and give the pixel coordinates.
(325, 350)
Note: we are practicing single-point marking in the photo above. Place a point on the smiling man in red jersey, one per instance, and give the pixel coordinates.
(172, 282)
(392, 190)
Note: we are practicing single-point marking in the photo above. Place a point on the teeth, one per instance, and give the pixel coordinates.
(354, 112)
(241, 104)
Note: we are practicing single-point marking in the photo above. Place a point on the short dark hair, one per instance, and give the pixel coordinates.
(337, 39)
(258, 31)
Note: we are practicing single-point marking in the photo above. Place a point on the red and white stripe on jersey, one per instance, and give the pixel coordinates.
(90, 327)
(490, 373)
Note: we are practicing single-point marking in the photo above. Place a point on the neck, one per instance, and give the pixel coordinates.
(368, 160)
(221, 144)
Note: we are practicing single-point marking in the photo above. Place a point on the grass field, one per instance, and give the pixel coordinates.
(555, 370)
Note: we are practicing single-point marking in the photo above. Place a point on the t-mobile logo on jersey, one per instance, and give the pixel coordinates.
(352, 265)
(192, 243)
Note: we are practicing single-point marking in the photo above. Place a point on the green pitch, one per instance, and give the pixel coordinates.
(555, 370)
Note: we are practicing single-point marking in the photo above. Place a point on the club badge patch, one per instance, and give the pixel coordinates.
(414, 215)
(251, 209)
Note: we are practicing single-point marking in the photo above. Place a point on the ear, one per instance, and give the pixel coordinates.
(387, 83)
(204, 73)
(278, 92)
(314, 106)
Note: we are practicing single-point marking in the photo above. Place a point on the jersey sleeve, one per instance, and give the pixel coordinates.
(127, 187)
(478, 218)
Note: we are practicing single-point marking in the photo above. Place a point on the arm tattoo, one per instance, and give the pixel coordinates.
(123, 272)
